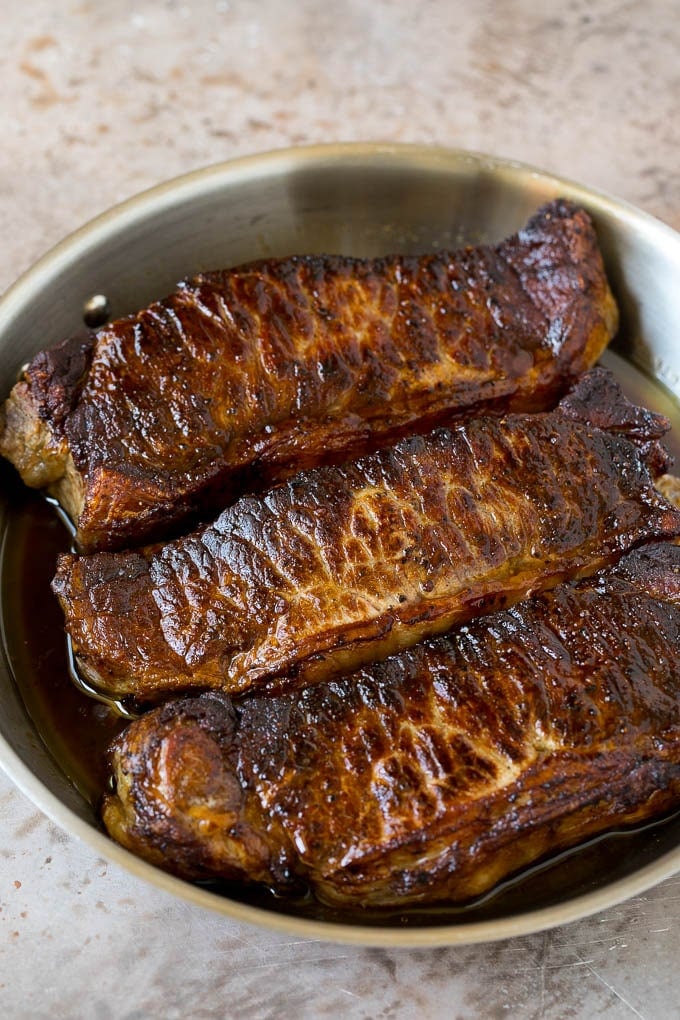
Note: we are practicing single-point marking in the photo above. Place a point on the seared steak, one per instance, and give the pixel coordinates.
(342, 565)
(434, 775)
(250, 374)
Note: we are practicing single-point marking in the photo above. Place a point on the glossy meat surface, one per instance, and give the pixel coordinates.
(253, 373)
(434, 775)
(344, 565)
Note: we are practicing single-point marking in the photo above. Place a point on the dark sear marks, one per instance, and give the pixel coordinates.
(343, 565)
(435, 774)
(245, 376)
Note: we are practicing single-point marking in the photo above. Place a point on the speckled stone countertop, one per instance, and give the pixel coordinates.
(100, 100)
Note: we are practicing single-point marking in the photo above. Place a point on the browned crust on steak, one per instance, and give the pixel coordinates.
(434, 775)
(253, 373)
(350, 563)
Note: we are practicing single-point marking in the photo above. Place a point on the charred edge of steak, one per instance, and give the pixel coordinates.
(32, 420)
(179, 803)
(598, 399)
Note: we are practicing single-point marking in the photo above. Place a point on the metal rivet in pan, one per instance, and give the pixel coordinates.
(22, 371)
(96, 310)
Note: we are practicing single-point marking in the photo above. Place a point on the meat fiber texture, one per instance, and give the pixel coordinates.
(347, 564)
(429, 777)
(248, 375)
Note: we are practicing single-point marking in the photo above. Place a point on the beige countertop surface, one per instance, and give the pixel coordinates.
(101, 100)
